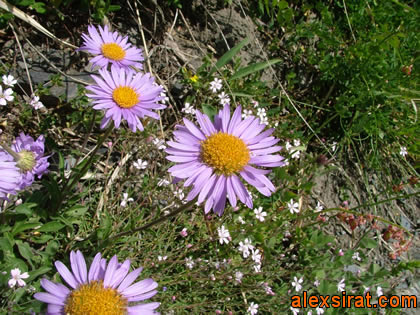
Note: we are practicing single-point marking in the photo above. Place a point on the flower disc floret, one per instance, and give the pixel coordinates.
(113, 51)
(225, 153)
(27, 160)
(107, 288)
(32, 161)
(94, 298)
(125, 96)
(111, 48)
(216, 155)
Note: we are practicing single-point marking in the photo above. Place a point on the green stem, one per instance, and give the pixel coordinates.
(352, 210)
(10, 151)
(73, 180)
(157, 221)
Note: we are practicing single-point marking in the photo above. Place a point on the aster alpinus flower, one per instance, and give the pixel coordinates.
(9, 175)
(31, 158)
(215, 156)
(111, 47)
(125, 95)
(105, 289)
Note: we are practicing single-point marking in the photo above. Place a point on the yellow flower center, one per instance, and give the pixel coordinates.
(27, 161)
(225, 153)
(93, 299)
(125, 96)
(113, 51)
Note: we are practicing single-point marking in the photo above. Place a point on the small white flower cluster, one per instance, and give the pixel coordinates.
(6, 95)
(262, 115)
(224, 235)
(33, 101)
(188, 109)
(189, 262)
(246, 248)
(125, 200)
(318, 207)
(224, 99)
(253, 308)
(246, 113)
(403, 151)
(178, 193)
(165, 98)
(260, 214)
(293, 148)
(140, 164)
(297, 284)
(215, 85)
(293, 206)
(17, 277)
(160, 144)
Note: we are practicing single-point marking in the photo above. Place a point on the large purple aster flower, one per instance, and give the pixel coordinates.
(111, 47)
(215, 156)
(31, 158)
(9, 175)
(125, 95)
(102, 290)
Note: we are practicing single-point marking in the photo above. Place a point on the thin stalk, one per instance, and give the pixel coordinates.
(10, 151)
(352, 210)
(73, 180)
(157, 221)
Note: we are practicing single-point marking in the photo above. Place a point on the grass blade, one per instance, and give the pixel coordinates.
(253, 68)
(229, 55)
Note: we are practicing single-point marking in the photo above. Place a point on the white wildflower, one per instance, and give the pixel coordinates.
(6, 96)
(140, 164)
(297, 283)
(17, 277)
(224, 236)
(260, 214)
(253, 308)
(215, 85)
(293, 206)
(319, 207)
(341, 286)
(403, 151)
(125, 200)
(9, 80)
(188, 109)
(189, 262)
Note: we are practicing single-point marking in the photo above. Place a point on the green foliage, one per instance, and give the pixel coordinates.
(361, 67)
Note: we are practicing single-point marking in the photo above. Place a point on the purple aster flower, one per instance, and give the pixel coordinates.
(9, 175)
(111, 47)
(105, 289)
(213, 158)
(31, 158)
(125, 95)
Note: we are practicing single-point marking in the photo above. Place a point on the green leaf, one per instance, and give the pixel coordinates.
(5, 245)
(105, 227)
(368, 243)
(38, 272)
(114, 7)
(241, 94)
(53, 226)
(22, 226)
(229, 55)
(25, 208)
(76, 211)
(25, 251)
(42, 239)
(253, 68)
